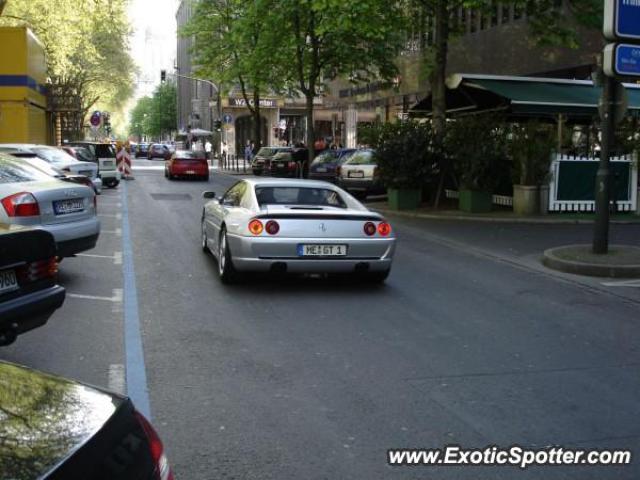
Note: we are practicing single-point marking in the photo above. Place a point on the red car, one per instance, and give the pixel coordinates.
(185, 163)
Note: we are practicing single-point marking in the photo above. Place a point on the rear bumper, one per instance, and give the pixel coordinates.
(260, 254)
(190, 171)
(109, 174)
(78, 245)
(367, 186)
(74, 237)
(32, 310)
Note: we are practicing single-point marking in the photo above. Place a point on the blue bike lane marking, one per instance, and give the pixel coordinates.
(136, 374)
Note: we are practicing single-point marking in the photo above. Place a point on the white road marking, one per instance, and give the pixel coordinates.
(116, 378)
(116, 298)
(117, 216)
(625, 283)
(117, 232)
(116, 257)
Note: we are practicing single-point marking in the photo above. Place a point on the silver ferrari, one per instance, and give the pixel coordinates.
(294, 226)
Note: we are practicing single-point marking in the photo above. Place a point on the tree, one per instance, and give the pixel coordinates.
(138, 118)
(324, 39)
(163, 110)
(229, 47)
(86, 43)
(547, 26)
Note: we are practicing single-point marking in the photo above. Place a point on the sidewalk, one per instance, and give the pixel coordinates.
(501, 216)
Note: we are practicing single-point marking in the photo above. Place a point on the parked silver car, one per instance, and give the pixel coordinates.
(60, 160)
(66, 210)
(359, 174)
(298, 226)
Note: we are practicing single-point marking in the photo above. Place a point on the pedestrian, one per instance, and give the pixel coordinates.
(207, 149)
(247, 152)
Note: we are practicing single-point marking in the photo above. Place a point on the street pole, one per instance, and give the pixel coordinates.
(601, 227)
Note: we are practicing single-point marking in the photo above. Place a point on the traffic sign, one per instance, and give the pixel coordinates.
(621, 59)
(622, 20)
(227, 118)
(96, 118)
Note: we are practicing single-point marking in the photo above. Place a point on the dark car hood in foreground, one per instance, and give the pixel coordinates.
(45, 419)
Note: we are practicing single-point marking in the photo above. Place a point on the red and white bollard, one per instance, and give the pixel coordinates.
(123, 161)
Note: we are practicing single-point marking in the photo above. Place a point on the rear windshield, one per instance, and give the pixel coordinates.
(326, 157)
(283, 156)
(187, 154)
(365, 157)
(14, 171)
(105, 150)
(83, 154)
(54, 155)
(299, 196)
(270, 151)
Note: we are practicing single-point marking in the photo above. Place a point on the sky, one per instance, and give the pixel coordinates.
(153, 44)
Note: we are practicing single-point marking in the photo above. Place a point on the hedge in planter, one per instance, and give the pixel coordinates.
(407, 160)
(530, 147)
(477, 147)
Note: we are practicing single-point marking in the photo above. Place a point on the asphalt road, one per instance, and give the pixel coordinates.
(470, 342)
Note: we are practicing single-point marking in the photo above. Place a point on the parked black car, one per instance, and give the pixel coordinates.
(142, 150)
(262, 161)
(53, 428)
(289, 164)
(158, 150)
(28, 290)
(326, 165)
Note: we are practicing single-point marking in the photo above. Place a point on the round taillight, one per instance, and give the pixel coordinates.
(272, 227)
(384, 229)
(255, 227)
(370, 228)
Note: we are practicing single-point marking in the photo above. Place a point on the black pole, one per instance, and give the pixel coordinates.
(601, 227)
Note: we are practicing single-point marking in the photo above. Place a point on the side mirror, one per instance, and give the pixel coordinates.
(209, 195)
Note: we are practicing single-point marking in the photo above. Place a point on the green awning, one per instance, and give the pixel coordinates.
(525, 97)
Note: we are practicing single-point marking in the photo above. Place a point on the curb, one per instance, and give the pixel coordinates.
(551, 260)
(467, 218)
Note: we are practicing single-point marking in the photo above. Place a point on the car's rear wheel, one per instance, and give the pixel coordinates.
(112, 183)
(226, 270)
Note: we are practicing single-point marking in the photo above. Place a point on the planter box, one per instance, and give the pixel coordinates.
(472, 201)
(526, 199)
(404, 198)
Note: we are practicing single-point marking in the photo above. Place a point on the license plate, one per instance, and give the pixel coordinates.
(63, 207)
(321, 169)
(8, 281)
(108, 163)
(355, 174)
(279, 165)
(191, 172)
(322, 250)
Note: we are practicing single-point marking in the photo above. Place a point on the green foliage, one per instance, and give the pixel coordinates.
(138, 123)
(155, 116)
(86, 42)
(478, 146)
(407, 154)
(530, 147)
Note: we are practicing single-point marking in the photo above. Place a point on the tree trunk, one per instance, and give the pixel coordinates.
(438, 90)
(310, 130)
(256, 117)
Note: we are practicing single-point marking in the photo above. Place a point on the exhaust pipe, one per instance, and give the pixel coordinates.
(279, 267)
(362, 267)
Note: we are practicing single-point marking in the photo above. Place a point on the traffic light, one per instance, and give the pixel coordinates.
(217, 125)
(163, 76)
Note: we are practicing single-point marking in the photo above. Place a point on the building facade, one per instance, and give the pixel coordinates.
(497, 43)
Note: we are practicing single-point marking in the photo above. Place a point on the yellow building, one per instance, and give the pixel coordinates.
(23, 101)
